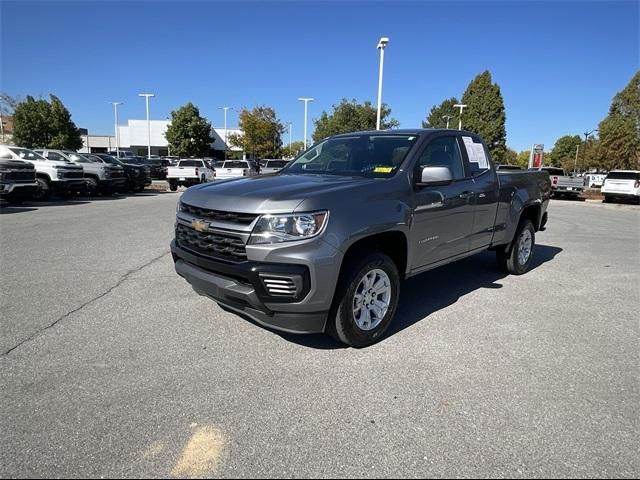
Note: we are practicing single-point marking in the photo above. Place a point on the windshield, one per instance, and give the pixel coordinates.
(235, 165)
(623, 176)
(190, 163)
(371, 155)
(27, 154)
(74, 157)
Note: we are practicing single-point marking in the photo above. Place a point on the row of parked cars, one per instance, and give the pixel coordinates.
(616, 184)
(38, 174)
(193, 171)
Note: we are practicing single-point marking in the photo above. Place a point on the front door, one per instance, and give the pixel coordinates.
(443, 215)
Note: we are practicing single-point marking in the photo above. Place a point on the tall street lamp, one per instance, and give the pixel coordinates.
(584, 153)
(225, 127)
(115, 111)
(381, 46)
(147, 95)
(461, 107)
(289, 124)
(306, 100)
(447, 118)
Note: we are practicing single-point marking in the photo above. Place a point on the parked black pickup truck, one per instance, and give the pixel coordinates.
(323, 245)
(138, 176)
(17, 179)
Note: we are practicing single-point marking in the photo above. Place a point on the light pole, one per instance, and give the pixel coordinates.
(584, 153)
(289, 125)
(147, 95)
(575, 163)
(225, 128)
(381, 46)
(461, 107)
(447, 118)
(306, 100)
(115, 111)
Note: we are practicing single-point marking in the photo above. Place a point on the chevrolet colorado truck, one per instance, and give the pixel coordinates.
(324, 245)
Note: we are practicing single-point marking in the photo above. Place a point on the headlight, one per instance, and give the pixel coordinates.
(179, 206)
(107, 172)
(1, 175)
(287, 228)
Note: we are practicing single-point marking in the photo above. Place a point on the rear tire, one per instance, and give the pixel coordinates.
(361, 313)
(203, 179)
(173, 186)
(516, 258)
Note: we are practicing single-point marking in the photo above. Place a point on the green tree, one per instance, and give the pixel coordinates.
(42, 124)
(510, 157)
(293, 149)
(619, 145)
(64, 133)
(437, 115)
(563, 153)
(522, 159)
(261, 133)
(31, 126)
(485, 114)
(351, 116)
(189, 134)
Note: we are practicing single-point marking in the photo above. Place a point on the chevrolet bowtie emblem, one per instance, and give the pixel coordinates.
(199, 225)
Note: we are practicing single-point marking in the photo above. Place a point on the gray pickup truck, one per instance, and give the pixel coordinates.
(323, 246)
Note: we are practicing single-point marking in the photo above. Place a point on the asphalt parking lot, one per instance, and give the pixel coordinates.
(112, 366)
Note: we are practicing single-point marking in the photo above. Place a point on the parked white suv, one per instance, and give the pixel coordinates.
(53, 176)
(621, 184)
(100, 177)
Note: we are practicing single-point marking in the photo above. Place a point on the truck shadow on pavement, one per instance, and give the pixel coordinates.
(434, 290)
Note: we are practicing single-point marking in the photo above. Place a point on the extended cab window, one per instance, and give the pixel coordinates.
(191, 163)
(477, 154)
(443, 152)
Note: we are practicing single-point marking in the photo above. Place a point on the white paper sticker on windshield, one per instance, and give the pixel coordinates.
(482, 158)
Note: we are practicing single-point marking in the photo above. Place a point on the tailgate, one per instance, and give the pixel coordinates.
(181, 172)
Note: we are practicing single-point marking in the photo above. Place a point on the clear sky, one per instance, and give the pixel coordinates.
(558, 63)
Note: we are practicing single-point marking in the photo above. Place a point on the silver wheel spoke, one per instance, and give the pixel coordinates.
(372, 299)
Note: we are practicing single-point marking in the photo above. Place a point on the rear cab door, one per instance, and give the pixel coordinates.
(486, 190)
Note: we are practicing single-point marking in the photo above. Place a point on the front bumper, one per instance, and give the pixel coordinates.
(113, 183)
(78, 185)
(239, 288)
(8, 188)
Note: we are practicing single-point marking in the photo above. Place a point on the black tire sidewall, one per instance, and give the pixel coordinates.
(513, 264)
(344, 327)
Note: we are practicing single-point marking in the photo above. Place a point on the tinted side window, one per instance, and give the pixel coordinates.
(54, 156)
(443, 152)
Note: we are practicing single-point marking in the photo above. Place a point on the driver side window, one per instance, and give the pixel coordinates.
(443, 152)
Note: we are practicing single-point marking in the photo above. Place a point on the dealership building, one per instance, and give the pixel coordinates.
(133, 136)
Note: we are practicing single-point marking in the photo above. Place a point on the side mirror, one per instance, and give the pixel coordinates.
(434, 176)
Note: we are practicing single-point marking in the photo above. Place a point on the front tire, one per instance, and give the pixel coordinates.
(517, 257)
(92, 186)
(44, 190)
(366, 300)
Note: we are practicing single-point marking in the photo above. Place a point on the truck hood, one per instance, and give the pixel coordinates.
(268, 194)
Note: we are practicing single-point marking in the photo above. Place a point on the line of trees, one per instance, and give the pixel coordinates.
(40, 123)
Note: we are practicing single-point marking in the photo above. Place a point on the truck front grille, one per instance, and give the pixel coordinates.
(209, 244)
(21, 175)
(70, 174)
(220, 216)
